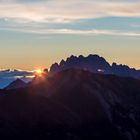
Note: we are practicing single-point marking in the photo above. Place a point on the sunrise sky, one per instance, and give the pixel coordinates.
(36, 33)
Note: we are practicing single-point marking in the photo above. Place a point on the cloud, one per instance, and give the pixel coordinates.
(92, 32)
(87, 32)
(135, 25)
(8, 76)
(66, 11)
(31, 16)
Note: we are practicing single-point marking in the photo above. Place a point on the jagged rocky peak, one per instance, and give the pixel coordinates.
(91, 63)
(62, 63)
(81, 57)
(96, 64)
(119, 65)
(114, 64)
(93, 55)
(71, 58)
(97, 58)
(54, 67)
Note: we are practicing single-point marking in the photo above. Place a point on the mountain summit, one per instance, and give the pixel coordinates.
(92, 63)
(96, 64)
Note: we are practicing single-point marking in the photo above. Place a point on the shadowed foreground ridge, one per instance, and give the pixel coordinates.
(73, 105)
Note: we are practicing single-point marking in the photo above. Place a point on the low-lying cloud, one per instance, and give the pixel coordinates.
(92, 32)
(8, 76)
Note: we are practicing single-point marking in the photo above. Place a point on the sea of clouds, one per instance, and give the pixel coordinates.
(8, 76)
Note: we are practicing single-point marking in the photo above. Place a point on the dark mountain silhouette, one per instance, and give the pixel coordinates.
(92, 63)
(124, 70)
(96, 64)
(73, 104)
(18, 83)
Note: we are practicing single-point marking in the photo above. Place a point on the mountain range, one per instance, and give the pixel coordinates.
(73, 104)
(91, 63)
(96, 64)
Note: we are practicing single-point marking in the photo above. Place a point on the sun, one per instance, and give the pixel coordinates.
(39, 72)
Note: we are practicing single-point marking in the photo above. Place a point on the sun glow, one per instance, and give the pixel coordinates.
(38, 72)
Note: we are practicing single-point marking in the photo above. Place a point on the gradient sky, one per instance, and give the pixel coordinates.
(36, 33)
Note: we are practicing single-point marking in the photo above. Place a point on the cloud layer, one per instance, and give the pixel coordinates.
(92, 32)
(35, 16)
(66, 11)
(8, 76)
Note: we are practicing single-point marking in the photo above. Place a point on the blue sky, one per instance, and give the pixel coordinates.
(36, 33)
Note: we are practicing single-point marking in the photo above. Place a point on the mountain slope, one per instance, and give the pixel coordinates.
(18, 83)
(73, 104)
